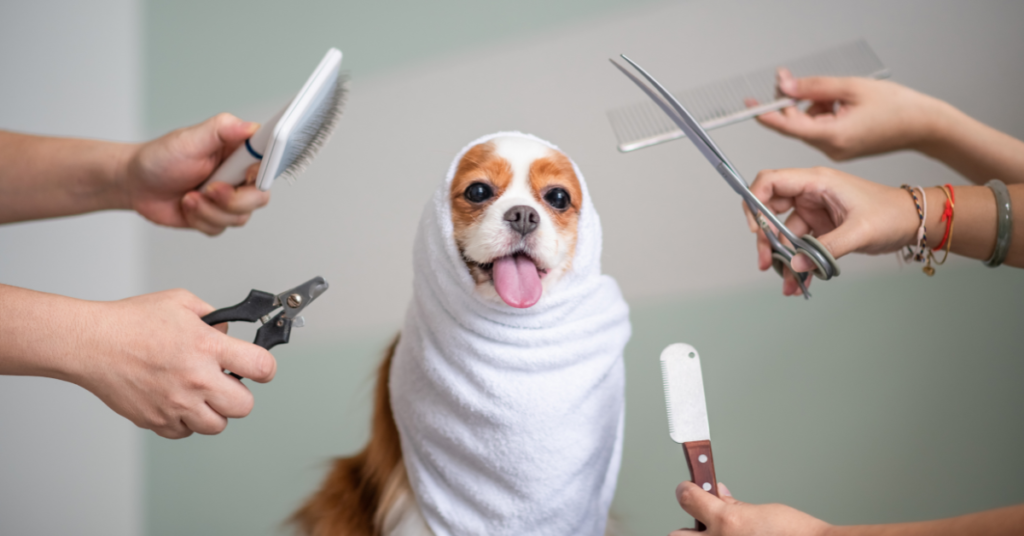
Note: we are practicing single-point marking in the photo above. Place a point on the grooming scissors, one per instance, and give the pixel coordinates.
(825, 265)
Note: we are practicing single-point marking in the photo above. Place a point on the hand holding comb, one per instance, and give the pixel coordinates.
(688, 414)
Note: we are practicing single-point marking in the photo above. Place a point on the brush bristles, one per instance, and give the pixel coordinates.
(668, 400)
(317, 131)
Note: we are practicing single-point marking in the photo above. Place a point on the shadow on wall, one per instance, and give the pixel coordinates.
(861, 425)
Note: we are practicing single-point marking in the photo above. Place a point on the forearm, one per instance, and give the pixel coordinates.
(44, 334)
(1003, 521)
(974, 222)
(42, 177)
(975, 150)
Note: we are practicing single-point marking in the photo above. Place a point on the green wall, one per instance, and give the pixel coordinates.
(882, 399)
(205, 57)
(887, 397)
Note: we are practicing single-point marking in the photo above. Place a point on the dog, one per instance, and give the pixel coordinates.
(515, 205)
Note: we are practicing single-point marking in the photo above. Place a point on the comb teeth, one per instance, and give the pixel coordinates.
(723, 103)
(668, 398)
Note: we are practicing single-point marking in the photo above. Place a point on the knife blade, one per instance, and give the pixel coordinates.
(687, 413)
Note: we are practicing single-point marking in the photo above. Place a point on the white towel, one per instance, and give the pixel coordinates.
(510, 419)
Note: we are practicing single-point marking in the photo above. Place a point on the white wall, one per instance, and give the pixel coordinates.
(69, 465)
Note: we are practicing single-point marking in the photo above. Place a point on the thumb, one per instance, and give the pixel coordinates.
(226, 132)
(839, 242)
(700, 504)
(816, 88)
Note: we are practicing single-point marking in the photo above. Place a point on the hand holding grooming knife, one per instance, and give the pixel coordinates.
(688, 414)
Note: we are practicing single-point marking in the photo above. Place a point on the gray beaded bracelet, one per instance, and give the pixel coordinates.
(1004, 222)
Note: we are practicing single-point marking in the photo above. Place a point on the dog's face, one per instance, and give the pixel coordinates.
(515, 207)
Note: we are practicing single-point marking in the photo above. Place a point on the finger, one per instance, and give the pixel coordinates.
(764, 252)
(843, 240)
(800, 263)
(773, 120)
(699, 503)
(173, 432)
(251, 173)
(751, 222)
(795, 123)
(199, 307)
(247, 360)
(238, 201)
(218, 136)
(725, 494)
(789, 286)
(203, 214)
(816, 88)
(230, 397)
(204, 420)
(228, 131)
(173, 428)
(190, 211)
(796, 224)
(788, 183)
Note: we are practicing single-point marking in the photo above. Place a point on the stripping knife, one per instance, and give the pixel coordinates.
(688, 414)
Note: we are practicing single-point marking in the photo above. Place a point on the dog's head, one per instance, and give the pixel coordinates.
(515, 207)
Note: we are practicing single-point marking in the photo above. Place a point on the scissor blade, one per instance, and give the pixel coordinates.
(671, 113)
(682, 118)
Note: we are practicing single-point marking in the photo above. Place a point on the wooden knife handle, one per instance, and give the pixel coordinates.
(702, 468)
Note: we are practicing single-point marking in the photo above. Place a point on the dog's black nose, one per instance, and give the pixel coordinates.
(522, 219)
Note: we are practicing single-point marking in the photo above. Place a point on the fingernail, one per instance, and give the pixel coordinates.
(724, 490)
(190, 201)
(786, 82)
(251, 127)
(214, 188)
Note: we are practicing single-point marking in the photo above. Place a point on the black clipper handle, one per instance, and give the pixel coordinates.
(277, 331)
(257, 304)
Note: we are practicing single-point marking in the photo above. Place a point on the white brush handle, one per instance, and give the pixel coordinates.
(232, 169)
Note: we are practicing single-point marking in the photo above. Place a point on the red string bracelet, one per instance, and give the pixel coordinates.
(947, 216)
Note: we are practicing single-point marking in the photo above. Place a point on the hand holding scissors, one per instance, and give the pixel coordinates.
(825, 266)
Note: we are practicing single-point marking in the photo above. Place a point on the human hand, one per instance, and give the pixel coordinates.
(154, 361)
(161, 177)
(726, 516)
(844, 212)
(852, 117)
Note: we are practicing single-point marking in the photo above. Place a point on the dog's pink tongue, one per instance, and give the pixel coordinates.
(517, 281)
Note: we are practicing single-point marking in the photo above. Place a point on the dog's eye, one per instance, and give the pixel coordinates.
(478, 192)
(557, 198)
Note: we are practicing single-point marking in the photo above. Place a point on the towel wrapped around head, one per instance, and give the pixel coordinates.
(511, 420)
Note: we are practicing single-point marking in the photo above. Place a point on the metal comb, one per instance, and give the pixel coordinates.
(722, 103)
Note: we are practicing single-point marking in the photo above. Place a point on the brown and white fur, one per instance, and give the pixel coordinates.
(369, 494)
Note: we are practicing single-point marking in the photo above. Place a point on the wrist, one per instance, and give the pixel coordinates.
(121, 161)
(941, 125)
